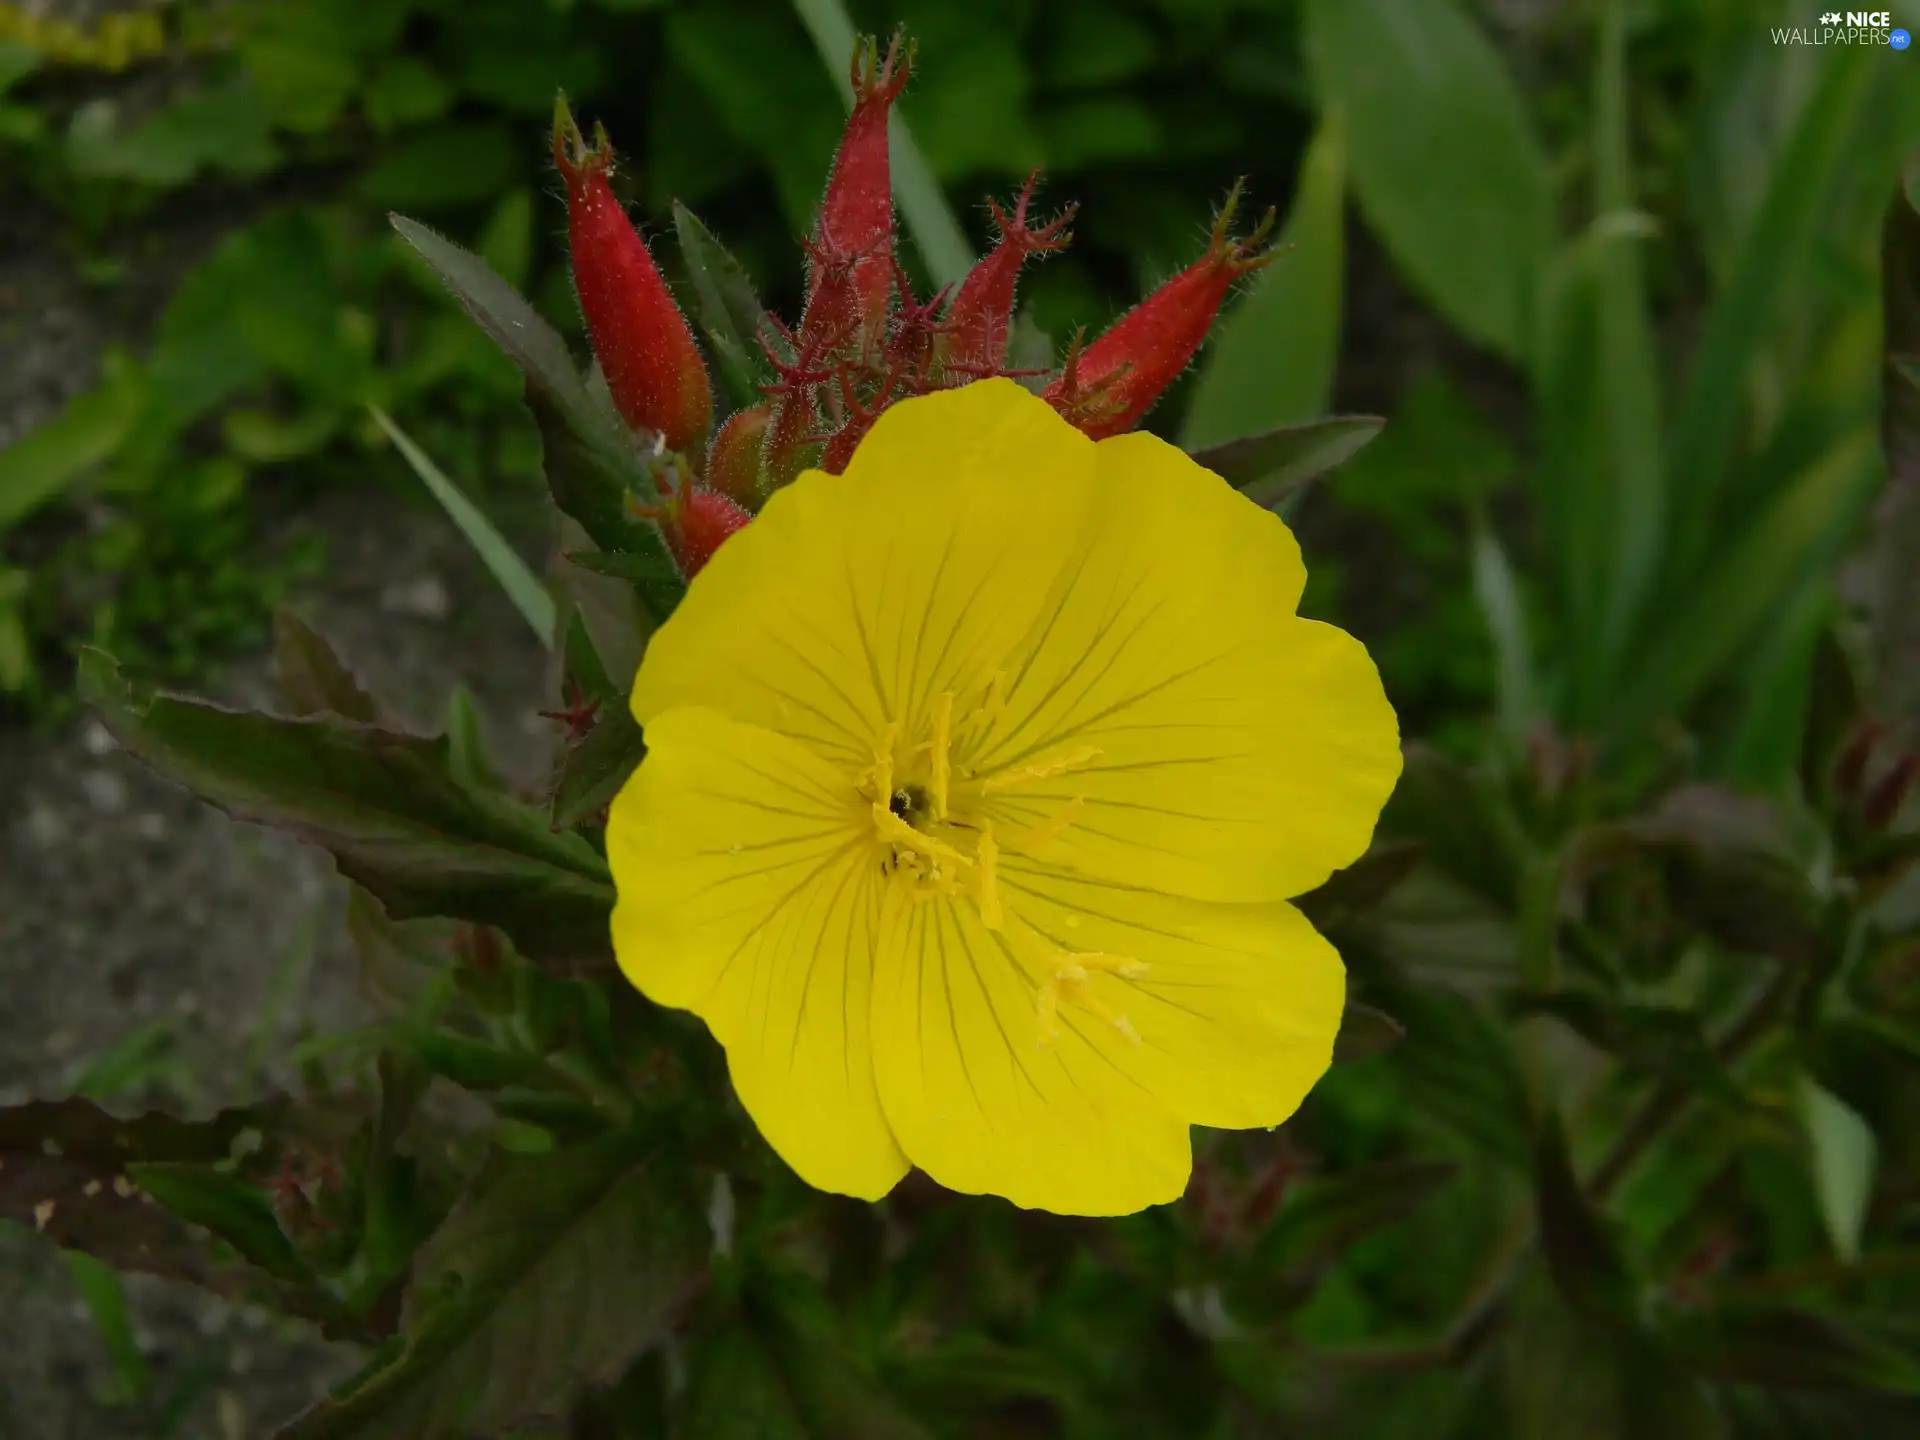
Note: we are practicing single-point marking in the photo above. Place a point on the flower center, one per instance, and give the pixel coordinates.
(936, 840)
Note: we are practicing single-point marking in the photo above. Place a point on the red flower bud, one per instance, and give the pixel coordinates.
(1108, 386)
(733, 461)
(695, 520)
(982, 313)
(653, 368)
(850, 262)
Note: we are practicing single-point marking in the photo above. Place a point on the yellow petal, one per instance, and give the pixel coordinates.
(1236, 1010)
(1225, 748)
(975, 1100)
(748, 893)
(854, 600)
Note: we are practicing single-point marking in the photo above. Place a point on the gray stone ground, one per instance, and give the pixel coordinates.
(128, 910)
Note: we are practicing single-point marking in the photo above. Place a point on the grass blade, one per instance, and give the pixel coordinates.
(523, 587)
(930, 220)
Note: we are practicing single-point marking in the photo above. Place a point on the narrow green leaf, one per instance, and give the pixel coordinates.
(43, 462)
(1363, 884)
(522, 586)
(618, 565)
(385, 805)
(1633, 497)
(735, 1392)
(225, 1206)
(106, 1301)
(1271, 469)
(467, 759)
(553, 1273)
(1426, 95)
(585, 670)
(1844, 1158)
(1498, 592)
(1693, 645)
(835, 1393)
(1777, 248)
(1271, 360)
(930, 220)
(728, 308)
(593, 462)
(311, 676)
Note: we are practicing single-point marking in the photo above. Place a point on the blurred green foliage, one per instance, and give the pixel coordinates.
(1639, 291)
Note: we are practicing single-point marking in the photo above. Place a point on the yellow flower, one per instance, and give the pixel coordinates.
(977, 779)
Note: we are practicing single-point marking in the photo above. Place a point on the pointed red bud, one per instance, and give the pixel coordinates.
(733, 461)
(982, 311)
(1108, 386)
(850, 271)
(653, 368)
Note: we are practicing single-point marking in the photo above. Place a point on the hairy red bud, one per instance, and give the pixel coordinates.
(850, 269)
(733, 462)
(982, 313)
(654, 370)
(1109, 385)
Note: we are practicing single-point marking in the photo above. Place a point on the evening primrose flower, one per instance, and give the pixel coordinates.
(977, 779)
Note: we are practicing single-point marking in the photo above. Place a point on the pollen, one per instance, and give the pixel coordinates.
(989, 859)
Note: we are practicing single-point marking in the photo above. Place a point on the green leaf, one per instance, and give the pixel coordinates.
(592, 462)
(43, 462)
(311, 676)
(1363, 884)
(1833, 711)
(616, 565)
(385, 805)
(1425, 95)
(64, 1172)
(106, 1301)
(398, 964)
(522, 586)
(727, 307)
(1455, 813)
(1321, 1220)
(1778, 1348)
(1498, 592)
(1844, 1159)
(735, 1392)
(1273, 468)
(1583, 1254)
(596, 768)
(834, 1393)
(1893, 546)
(1271, 360)
(930, 220)
(227, 1207)
(461, 163)
(1364, 1033)
(1777, 248)
(467, 759)
(507, 242)
(1705, 631)
(551, 1274)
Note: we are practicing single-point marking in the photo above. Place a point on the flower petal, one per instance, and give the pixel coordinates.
(854, 599)
(1224, 748)
(749, 893)
(977, 1103)
(1237, 1009)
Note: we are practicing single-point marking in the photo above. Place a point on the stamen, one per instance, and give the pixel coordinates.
(989, 858)
(1052, 828)
(990, 709)
(1042, 769)
(1070, 979)
(942, 759)
(880, 776)
(892, 828)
